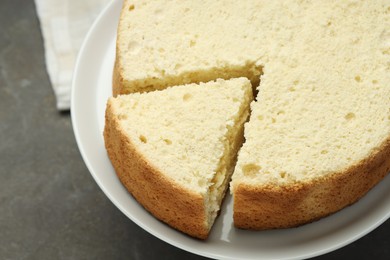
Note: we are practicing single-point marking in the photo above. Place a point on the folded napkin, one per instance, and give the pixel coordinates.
(64, 24)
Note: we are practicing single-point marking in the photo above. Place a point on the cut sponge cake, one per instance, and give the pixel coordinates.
(318, 137)
(175, 149)
(313, 146)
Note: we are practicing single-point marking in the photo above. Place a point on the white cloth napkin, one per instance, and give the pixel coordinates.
(64, 24)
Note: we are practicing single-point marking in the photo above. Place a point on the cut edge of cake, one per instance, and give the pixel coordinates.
(120, 85)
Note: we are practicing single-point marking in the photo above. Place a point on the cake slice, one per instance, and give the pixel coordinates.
(175, 149)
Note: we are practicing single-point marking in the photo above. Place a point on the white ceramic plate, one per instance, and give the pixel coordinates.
(90, 90)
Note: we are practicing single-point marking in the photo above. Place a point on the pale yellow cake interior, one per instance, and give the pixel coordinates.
(324, 105)
(189, 133)
(325, 69)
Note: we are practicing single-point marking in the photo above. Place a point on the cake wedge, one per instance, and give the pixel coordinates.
(175, 149)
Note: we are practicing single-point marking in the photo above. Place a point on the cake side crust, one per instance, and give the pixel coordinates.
(180, 208)
(271, 207)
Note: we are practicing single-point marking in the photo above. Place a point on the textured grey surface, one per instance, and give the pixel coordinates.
(50, 207)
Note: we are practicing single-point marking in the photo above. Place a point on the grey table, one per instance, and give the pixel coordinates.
(50, 207)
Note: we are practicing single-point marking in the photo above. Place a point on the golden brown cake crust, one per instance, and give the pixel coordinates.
(166, 200)
(270, 207)
(117, 80)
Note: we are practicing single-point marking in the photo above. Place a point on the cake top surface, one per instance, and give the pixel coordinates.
(324, 98)
(181, 131)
